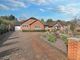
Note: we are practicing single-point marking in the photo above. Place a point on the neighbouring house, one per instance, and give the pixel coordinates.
(17, 26)
(32, 24)
(77, 28)
(55, 25)
(49, 25)
(59, 26)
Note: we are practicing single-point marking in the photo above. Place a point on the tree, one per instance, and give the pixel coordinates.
(11, 17)
(73, 24)
(0, 21)
(7, 23)
(72, 27)
(49, 20)
(42, 20)
(59, 21)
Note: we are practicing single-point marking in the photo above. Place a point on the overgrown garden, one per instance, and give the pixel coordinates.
(7, 23)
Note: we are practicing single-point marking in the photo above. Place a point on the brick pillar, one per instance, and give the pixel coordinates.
(78, 52)
(73, 49)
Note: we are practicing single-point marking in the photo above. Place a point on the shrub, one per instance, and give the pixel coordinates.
(33, 30)
(64, 38)
(51, 38)
(1, 31)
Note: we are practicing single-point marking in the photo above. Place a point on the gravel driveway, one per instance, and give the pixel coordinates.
(28, 46)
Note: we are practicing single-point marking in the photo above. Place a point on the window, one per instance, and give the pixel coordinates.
(25, 25)
(37, 27)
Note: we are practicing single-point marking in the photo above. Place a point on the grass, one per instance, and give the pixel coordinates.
(51, 38)
(64, 38)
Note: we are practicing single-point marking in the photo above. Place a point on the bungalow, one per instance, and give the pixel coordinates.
(59, 25)
(55, 25)
(32, 24)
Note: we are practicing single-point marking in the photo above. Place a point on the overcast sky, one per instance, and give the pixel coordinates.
(56, 9)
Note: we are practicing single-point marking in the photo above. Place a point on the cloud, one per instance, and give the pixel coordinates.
(70, 9)
(4, 7)
(41, 2)
(42, 10)
(17, 3)
(12, 4)
(23, 16)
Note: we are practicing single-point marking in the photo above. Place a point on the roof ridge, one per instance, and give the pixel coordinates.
(32, 22)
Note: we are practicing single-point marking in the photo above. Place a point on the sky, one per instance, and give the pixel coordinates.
(54, 9)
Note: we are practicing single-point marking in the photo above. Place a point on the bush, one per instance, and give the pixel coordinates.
(1, 32)
(51, 38)
(64, 38)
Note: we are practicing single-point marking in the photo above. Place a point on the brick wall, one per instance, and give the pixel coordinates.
(78, 53)
(73, 49)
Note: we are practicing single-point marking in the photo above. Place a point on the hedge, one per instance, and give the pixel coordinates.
(33, 30)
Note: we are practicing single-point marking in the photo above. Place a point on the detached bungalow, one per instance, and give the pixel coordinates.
(55, 25)
(32, 24)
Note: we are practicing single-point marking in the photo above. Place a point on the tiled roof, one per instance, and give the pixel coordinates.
(30, 21)
(53, 23)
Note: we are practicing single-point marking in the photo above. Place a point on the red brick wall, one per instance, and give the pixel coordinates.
(73, 50)
(78, 53)
(25, 28)
(37, 23)
(32, 26)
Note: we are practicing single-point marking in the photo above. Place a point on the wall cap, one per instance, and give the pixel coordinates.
(73, 38)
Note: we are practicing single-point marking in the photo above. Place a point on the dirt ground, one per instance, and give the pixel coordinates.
(28, 46)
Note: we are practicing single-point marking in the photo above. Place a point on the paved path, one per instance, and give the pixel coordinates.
(28, 46)
(60, 45)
